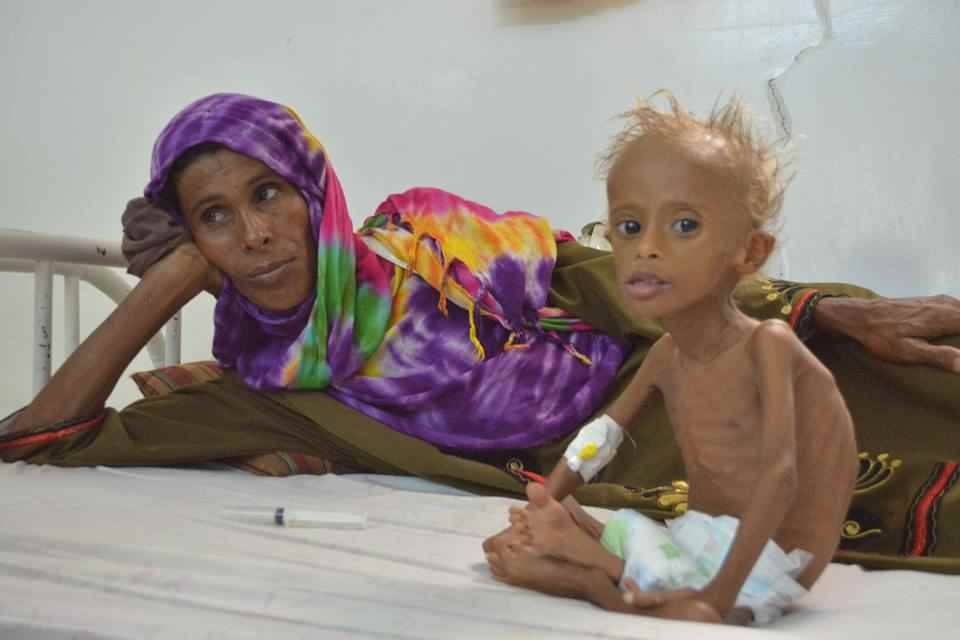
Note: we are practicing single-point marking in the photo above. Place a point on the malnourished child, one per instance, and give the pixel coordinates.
(765, 435)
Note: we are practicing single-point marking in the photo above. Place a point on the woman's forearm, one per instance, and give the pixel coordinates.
(81, 386)
(897, 329)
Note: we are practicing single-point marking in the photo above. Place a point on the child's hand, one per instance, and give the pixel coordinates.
(680, 604)
(639, 599)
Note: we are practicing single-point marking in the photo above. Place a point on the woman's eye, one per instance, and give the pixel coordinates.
(267, 192)
(628, 227)
(685, 225)
(213, 216)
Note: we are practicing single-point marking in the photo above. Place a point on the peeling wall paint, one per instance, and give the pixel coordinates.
(780, 110)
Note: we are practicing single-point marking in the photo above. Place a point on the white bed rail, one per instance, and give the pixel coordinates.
(76, 259)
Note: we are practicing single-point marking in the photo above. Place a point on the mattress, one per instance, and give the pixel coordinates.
(148, 553)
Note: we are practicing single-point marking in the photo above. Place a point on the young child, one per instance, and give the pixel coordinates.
(765, 435)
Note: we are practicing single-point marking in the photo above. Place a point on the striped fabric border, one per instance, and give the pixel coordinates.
(48, 434)
(162, 381)
(920, 532)
(799, 306)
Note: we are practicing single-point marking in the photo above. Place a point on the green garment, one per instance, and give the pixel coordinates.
(905, 514)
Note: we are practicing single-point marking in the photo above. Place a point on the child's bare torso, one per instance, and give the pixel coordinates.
(716, 411)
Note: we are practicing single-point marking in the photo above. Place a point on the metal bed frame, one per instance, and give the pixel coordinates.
(76, 259)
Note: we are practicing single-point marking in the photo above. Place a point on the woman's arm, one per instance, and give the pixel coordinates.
(896, 329)
(893, 329)
(81, 386)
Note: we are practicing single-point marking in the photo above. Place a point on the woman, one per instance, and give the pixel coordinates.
(447, 342)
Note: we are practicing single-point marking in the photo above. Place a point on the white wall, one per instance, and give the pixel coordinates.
(507, 102)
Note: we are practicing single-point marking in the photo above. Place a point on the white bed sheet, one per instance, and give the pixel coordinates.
(144, 553)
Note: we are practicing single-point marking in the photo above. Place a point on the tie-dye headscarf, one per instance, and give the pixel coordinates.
(431, 318)
(330, 335)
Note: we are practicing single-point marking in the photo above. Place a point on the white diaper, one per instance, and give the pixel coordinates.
(689, 551)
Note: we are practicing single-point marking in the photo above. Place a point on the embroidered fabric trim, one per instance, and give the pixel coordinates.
(44, 435)
(920, 532)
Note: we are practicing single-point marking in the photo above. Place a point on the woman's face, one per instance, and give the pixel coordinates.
(252, 225)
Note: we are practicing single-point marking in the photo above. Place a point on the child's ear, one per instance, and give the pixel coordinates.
(756, 250)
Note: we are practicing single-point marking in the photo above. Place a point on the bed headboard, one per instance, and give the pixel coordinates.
(92, 261)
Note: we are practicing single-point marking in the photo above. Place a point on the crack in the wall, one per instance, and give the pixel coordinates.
(778, 105)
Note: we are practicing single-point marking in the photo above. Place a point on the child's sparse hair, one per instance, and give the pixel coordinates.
(755, 163)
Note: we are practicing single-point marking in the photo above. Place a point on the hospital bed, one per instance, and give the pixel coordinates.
(148, 552)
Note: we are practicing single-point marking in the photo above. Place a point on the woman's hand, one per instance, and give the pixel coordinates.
(896, 329)
(186, 263)
(187, 257)
(152, 235)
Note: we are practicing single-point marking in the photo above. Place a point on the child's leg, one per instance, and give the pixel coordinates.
(549, 529)
(590, 525)
(523, 568)
(508, 537)
(520, 567)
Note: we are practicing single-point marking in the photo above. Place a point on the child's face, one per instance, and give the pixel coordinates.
(677, 226)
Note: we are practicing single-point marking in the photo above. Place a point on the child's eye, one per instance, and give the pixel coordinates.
(213, 216)
(685, 225)
(628, 227)
(267, 192)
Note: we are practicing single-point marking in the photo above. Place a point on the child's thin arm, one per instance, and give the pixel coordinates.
(628, 404)
(563, 480)
(773, 354)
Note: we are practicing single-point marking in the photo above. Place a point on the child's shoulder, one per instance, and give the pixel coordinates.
(664, 346)
(774, 328)
(774, 336)
(660, 357)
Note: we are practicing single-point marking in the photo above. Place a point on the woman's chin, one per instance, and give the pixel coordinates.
(277, 301)
(279, 291)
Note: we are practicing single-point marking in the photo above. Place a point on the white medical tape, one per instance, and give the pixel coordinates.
(594, 447)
